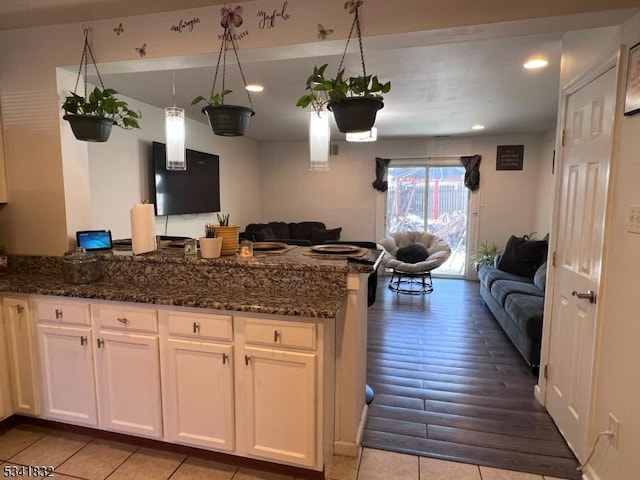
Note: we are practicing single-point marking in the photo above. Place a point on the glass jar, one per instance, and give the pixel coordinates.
(80, 266)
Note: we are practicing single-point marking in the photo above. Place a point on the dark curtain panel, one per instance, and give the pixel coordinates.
(381, 168)
(472, 171)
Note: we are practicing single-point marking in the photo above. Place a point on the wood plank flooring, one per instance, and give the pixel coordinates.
(449, 384)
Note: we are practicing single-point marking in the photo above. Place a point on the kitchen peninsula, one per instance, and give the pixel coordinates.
(262, 358)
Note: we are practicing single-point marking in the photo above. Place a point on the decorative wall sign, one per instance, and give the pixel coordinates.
(185, 24)
(268, 19)
(632, 98)
(232, 16)
(510, 157)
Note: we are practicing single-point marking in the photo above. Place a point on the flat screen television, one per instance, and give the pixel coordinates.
(194, 190)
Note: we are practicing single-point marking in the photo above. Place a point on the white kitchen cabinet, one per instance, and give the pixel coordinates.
(128, 369)
(279, 409)
(3, 174)
(198, 380)
(6, 403)
(21, 355)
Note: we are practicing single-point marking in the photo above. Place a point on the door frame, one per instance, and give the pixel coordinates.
(612, 61)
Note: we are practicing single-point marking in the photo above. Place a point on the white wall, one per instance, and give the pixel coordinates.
(344, 197)
(617, 384)
(118, 175)
(546, 184)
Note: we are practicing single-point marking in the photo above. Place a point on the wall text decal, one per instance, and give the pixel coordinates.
(268, 20)
(185, 24)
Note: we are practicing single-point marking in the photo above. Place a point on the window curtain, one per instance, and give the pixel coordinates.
(472, 171)
(381, 169)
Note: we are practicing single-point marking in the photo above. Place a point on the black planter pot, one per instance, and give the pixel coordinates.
(355, 114)
(228, 120)
(90, 129)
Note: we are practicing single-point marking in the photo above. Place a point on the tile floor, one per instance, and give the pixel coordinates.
(81, 457)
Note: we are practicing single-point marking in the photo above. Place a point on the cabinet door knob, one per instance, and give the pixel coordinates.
(247, 359)
(196, 327)
(225, 357)
(19, 309)
(58, 314)
(276, 335)
(122, 320)
(100, 343)
(83, 340)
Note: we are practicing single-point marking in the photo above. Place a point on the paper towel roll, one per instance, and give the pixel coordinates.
(143, 228)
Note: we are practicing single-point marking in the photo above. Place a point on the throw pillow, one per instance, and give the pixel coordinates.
(320, 235)
(413, 253)
(265, 233)
(523, 257)
(540, 277)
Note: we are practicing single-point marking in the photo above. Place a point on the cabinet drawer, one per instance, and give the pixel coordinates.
(282, 334)
(129, 319)
(63, 312)
(194, 325)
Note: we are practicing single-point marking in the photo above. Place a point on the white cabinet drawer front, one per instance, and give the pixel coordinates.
(63, 312)
(128, 319)
(194, 325)
(282, 334)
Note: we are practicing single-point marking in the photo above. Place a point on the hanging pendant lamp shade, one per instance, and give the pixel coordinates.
(175, 136)
(366, 136)
(319, 140)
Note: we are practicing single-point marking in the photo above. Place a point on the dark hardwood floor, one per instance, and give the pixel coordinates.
(449, 384)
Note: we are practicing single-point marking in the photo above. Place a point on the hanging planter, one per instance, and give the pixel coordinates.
(354, 101)
(92, 116)
(226, 120)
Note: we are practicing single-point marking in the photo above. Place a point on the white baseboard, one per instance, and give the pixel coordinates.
(351, 449)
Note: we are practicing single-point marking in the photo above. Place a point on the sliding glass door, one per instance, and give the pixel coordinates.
(432, 198)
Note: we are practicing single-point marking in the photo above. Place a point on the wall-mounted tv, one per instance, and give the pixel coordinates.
(194, 190)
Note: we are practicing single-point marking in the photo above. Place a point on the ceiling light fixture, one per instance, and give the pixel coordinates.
(175, 134)
(366, 136)
(254, 87)
(477, 126)
(535, 63)
(319, 134)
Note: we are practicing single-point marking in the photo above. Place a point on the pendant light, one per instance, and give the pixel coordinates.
(175, 134)
(319, 140)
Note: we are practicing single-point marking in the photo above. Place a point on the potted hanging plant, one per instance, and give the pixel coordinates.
(226, 120)
(91, 118)
(354, 101)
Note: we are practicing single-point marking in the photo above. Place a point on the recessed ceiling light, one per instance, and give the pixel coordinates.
(477, 126)
(254, 87)
(535, 63)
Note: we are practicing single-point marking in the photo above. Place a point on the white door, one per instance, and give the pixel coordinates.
(280, 405)
(128, 373)
(68, 381)
(582, 202)
(199, 394)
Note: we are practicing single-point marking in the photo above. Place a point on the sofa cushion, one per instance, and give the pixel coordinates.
(523, 257)
(540, 277)
(265, 233)
(413, 253)
(501, 289)
(281, 229)
(488, 275)
(321, 235)
(526, 311)
(302, 230)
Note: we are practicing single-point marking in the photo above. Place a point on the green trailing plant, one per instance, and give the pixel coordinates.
(223, 219)
(215, 99)
(485, 254)
(321, 90)
(102, 104)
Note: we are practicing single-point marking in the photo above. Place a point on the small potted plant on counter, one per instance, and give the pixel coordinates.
(91, 118)
(228, 233)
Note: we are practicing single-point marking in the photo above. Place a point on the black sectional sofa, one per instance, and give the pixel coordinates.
(514, 290)
(314, 232)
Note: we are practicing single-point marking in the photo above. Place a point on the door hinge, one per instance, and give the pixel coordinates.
(545, 371)
(563, 136)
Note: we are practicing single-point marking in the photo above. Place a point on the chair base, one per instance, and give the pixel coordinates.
(411, 283)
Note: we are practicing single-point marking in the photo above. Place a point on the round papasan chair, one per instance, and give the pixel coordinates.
(412, 270)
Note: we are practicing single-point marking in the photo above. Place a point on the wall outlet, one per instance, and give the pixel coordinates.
(614, 426)
(633, 219)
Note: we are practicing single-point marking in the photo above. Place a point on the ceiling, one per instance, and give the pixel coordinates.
(443, 82)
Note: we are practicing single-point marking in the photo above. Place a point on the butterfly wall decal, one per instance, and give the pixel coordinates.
(142, 51)
(323, 32)
(352, 5)
(119, 29)
(231, 16)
